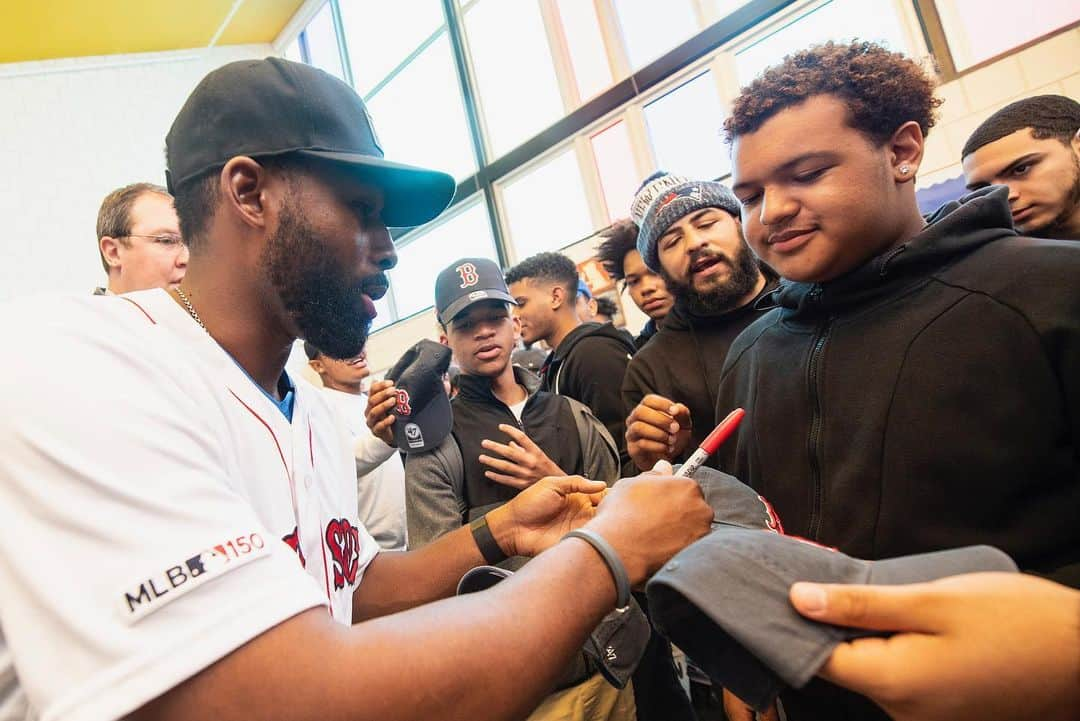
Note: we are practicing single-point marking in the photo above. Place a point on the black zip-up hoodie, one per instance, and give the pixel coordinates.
(684, 359)
(588, 366)
(927, 400)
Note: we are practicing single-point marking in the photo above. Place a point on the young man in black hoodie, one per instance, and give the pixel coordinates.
(619, 254)
(1032, 146)
(690, 234)
(588, 360)
(917, 386)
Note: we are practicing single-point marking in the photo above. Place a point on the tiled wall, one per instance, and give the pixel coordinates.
(1052, 66)
(72, 130)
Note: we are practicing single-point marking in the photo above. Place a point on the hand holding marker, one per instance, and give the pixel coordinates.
(712, 442)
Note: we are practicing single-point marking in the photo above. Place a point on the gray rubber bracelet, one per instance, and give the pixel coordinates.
(618, 571)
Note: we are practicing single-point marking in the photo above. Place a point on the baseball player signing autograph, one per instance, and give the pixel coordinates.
(178, 531)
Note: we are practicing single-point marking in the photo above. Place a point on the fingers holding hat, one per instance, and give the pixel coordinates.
(378, 414)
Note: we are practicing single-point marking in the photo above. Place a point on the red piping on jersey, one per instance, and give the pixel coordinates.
(311, 448)
(273, 435)
(148, 316)
(292, 491)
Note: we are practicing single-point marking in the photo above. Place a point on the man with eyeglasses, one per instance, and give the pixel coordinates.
(139, 240)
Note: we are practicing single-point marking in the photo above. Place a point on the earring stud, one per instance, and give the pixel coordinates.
(904, 169)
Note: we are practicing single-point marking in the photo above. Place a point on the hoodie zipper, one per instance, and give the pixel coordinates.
(814, 441)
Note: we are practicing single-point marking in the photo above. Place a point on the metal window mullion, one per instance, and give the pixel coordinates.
(305, 53)
(589, 170)
(934, 35)
(339, 33)
(469, 98)
(559, 48)
(614, 43)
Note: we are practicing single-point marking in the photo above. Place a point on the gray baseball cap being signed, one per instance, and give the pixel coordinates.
(724, 601)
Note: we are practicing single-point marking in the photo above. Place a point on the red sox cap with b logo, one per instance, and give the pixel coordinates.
(467, 281)
(422, 409)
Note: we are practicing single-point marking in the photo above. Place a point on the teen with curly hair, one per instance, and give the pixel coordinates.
(917, 385)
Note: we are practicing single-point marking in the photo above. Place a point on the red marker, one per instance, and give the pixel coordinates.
(712, 443)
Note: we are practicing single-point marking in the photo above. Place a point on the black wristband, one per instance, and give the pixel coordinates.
(618, 570)
(485, 541)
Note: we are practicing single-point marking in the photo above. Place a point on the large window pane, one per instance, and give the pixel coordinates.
(380, 35)
(684, 126)
(322, 43)
(546, 208)
(615, 162)
(293, 51)
(652, 28)
(978, 30)
(839, 20)
(383, 316)
(466, 234)
(516, 80)
(581, 26)
(419, 116)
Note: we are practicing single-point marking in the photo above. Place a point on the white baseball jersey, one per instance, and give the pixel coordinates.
(380, 475)
(157, 509)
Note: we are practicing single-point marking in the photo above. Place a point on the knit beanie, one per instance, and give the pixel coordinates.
(671, 202)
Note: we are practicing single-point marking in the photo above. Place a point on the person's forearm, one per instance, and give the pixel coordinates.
(487, 656)
(397, 581)
(370, 453)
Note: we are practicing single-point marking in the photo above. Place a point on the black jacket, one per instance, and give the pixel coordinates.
(588, 366)
(683, 362)
(445, 488)
(929, 399)
(647, 332)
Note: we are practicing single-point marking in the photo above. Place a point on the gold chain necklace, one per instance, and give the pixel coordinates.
(190, 308)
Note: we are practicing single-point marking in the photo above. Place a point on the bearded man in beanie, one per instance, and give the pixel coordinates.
(691, 235)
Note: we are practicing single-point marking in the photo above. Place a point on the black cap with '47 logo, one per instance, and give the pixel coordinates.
(422, 412)
(468, 281)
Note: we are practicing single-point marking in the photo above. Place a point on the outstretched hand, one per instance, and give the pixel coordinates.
(984, 646)
(523, 463)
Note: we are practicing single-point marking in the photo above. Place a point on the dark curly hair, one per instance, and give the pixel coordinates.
(882, 89)
(1048, 116)
(619, 239)
(552, 267)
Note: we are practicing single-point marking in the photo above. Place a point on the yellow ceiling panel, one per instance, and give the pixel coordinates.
(259, 21)
(45, 29)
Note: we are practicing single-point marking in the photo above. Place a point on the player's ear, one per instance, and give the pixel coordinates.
(243, 186)
(317, 365)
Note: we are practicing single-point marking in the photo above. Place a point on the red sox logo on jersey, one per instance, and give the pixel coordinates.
(468, 274)
(293, 539)
(343, 539)
(403, 408)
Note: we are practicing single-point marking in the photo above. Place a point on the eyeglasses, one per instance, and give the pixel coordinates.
(166, 239)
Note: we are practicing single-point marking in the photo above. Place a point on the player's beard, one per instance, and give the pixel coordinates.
(723, 298)
(315, 287)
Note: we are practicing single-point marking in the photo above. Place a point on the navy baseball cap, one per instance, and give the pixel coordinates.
(422, 413)
(273, 106)
(467, 281)
(724, 599)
